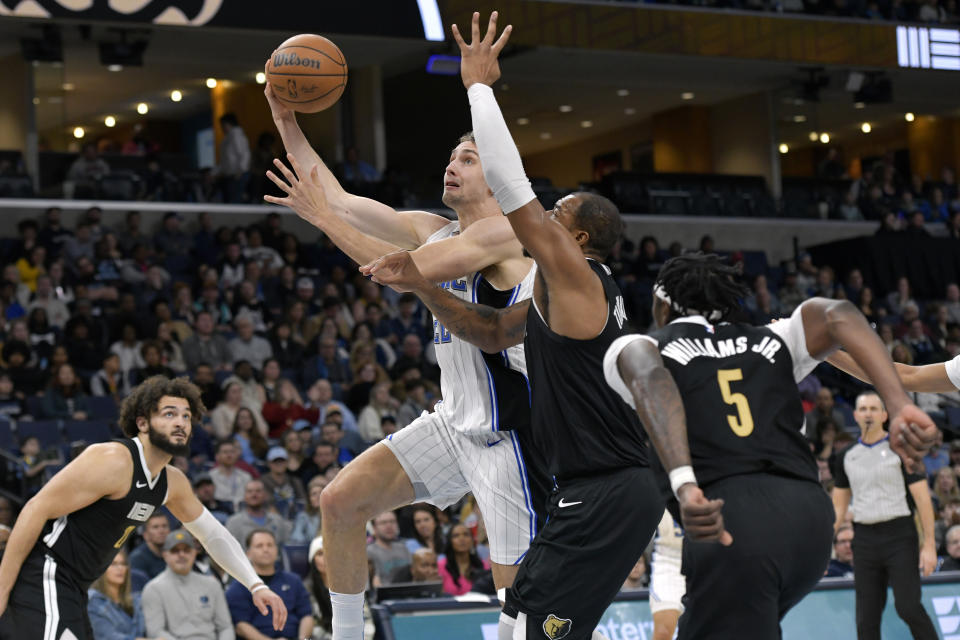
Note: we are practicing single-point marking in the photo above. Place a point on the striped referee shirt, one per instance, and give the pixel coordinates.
(877, 480)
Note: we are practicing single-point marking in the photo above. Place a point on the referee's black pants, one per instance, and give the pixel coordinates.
(889, 553)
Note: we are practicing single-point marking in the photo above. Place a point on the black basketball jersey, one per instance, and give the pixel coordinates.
(581, 426)
(740, 397)
(86, 540)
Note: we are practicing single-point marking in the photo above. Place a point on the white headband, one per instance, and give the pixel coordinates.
(661, 293)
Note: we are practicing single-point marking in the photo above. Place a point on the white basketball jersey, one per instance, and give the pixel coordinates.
(480, 391)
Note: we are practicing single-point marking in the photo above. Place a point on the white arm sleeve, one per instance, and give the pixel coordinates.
(223, 548)
(499, 157)
(791, 332)
(610, 370)
(667, 584)
(953, 371)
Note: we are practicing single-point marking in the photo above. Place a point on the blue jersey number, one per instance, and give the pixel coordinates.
(440, 333)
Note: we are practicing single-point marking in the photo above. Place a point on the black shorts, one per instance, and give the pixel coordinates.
(597, 528)
(46, 602)
(782, 536)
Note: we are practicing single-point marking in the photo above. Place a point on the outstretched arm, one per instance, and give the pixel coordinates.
(405, 229)
(633, 367)
(222, 547)
(930, 378)
(490, 329)
(828, 324)
(485, 242)
(574, 289)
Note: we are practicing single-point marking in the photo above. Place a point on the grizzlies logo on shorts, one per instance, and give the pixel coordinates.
(557, 628)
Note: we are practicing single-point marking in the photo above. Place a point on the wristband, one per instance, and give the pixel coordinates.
(258, 588)
(681, 476)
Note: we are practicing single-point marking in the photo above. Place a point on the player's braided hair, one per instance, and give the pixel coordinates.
(700, 284)
(145, 397)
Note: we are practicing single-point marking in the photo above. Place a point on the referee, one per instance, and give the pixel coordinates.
(885, 546)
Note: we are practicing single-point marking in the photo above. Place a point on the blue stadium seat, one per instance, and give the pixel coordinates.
(87, 430)
(7, 441)
(953, 416)
(297, 560)
(137, 580)
(46, 431)
(102, 408)
(33, 406)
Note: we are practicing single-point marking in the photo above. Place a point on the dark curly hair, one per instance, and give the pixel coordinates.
(704, 283)
(144, 400)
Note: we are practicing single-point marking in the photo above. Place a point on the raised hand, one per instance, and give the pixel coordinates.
(702, 519)
(277, 108)
(305, 196)
(396, 270)
(912, 433)
(478, 60)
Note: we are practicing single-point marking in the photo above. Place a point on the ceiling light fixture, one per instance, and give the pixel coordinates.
(824, 138)
(909, 117)
(176, 96)
(629, 111)
(110, 121)
(211, 83)
(78, 132)
(261, 77)
(586, 124)
(859, 105)
(623, 93)
(800, 118)
(523, 121)
(565, 108)
(783, 147)
(866, 128)
(687, 95)
(545, 135)
(114, 67)
(142, 108)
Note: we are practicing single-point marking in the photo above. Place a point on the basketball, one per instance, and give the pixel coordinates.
(308, 73)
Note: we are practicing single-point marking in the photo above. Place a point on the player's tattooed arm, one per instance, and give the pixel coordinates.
(660, 408)
(488, 328)
(658, 402)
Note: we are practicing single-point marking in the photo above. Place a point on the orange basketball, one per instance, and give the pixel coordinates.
(308, 73)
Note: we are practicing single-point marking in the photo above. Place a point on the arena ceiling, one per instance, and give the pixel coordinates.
(609, 90)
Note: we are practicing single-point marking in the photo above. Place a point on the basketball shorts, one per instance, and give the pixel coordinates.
(46, 603)
(444, 465)
(598, 527)
(782, 532)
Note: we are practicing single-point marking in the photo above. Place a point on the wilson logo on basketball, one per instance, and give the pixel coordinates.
(556, 628)
(292, 59)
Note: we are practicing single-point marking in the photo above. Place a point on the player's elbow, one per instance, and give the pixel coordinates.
(838, 314)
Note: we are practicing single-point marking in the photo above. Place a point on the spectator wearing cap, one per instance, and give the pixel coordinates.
(254, 514)
(263, 552)
(206, 346)
(247, 346)
(205, 490)
(381, 404)
(287, 409)
(305, 294)
(181, 603)
(283, 488)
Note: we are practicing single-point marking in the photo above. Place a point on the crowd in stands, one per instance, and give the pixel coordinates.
(303, 364)
(934, 11)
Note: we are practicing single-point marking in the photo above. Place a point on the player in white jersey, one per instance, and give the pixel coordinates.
(466, 445)
(667, 584)
(939, 377)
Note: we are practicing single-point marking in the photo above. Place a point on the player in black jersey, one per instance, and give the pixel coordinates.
(604, 507)
(67, 534)
(741, 411)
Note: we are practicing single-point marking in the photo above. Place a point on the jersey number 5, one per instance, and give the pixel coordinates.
(742, 423)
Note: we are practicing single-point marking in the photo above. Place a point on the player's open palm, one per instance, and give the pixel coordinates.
(305, 194)
(478, 60)
(264, 599)
(702, 519)
(912, 433)
(396, 270)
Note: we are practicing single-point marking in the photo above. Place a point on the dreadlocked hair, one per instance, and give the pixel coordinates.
(703, 283)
